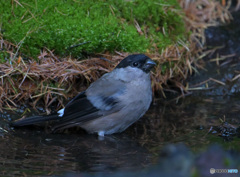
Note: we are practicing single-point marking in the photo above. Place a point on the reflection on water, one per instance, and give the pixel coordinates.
(34, 152)
(31, 151)
(187, 121)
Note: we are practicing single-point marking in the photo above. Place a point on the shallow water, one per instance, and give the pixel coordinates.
(31, 151)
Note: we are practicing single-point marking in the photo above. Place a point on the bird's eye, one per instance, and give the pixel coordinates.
(135, 64)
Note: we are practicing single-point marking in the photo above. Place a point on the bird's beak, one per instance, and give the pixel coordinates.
(149, 65)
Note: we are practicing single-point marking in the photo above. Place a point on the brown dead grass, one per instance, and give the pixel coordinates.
(52, 80)
(49, 80)
(201, 14)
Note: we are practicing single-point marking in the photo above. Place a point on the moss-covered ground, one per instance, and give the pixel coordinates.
(90, 26)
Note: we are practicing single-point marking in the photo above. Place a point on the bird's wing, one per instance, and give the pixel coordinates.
(100, 99)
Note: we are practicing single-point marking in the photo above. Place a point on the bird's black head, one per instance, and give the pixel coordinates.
(137, 61)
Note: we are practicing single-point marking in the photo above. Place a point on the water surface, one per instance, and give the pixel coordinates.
(33, 151)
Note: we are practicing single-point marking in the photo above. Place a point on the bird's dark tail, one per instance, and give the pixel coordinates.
(33, 120)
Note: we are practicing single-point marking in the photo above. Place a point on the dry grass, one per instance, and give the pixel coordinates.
(53, 79)
(49, 80)
(201, 14)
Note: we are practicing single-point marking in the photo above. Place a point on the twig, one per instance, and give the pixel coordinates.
(73, 46)
(26, 75)
(210, 79)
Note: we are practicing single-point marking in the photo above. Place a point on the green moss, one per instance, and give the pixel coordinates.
(227, 162)
(195, 173)
(4, 57)
(92, 25)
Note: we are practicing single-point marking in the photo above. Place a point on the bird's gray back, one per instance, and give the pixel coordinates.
(130, 94)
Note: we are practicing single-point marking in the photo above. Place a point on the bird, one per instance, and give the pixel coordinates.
(110, 104)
